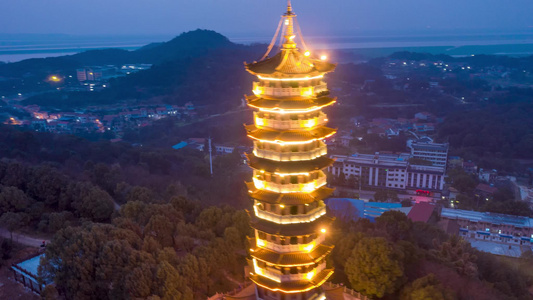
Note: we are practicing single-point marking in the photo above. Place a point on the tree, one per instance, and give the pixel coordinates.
(386, 195)
(11, 221)
(171, 285)
(375, 268)
(458, 254)
(396, 225)
(381, 196)
(13, 199)
(162, 229)
(424, 288)
(46, 184)
(91, 202)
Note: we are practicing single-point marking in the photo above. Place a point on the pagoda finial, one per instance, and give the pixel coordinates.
(289, 27)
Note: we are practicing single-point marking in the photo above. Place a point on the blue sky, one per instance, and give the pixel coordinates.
(260, 17)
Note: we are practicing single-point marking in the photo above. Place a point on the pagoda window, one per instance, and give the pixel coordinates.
(294, 179)
(308, 239)
(294, 210)
(282, 241)
(273, 238)
(294, 148)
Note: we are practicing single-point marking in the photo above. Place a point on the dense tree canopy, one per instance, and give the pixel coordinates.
(374, 267)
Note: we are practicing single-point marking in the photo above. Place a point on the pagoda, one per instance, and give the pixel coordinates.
(288, 251)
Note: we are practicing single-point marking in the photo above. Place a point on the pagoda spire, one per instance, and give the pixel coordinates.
(289, 7)
(289, 36)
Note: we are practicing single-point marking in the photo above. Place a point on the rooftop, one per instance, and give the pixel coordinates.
(421, 212)
(389, 160)
(486, 217)
(486, 188)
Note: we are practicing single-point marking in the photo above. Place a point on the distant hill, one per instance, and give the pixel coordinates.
(201, 66)
(193, 43)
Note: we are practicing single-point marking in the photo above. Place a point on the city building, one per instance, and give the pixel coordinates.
(433, 152)
(388, 171)
(288, 251)
(487, 175)
(89, 74)
(492, 227)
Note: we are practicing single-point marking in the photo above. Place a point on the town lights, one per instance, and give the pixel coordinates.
(54, 78)
(323, 230)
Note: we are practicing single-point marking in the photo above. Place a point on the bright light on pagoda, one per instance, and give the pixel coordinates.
(323, 57)
(307, 53)
(310, 275)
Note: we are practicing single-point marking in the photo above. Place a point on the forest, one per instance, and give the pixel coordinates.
(395, 258)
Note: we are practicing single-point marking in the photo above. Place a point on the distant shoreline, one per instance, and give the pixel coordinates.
(366, 46)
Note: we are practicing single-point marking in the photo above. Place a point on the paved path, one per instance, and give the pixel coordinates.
(23, 239)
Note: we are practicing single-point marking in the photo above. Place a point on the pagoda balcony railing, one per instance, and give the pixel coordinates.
(278, 276)
(291, 156)
(291, 219)
(307, 187)
(320, 120)
(308, 91)
(291, 248)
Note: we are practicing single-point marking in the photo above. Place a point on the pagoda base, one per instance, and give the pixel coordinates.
(265, 294)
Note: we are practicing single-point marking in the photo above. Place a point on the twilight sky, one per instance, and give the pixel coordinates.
(246, 17)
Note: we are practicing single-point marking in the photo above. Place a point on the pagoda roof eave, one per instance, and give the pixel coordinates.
(288, 104)
(292, 286)
(273, 166)
(289, 136)
(288, 198)
(291, 259)
(288, 63)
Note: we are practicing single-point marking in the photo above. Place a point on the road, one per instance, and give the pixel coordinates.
(22, 238)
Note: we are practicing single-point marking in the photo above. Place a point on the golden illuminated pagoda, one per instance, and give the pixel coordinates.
(288, 253)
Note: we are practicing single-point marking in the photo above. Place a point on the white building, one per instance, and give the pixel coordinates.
(391, 171)
(433, 152)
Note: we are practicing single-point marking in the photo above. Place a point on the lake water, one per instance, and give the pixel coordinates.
(15, 48)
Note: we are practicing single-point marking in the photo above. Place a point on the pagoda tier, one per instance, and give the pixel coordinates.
(288, 198)
(289, 251)
(288, 167)
(289, 136)
(304, 104)
(309, 258)
(320, 225)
